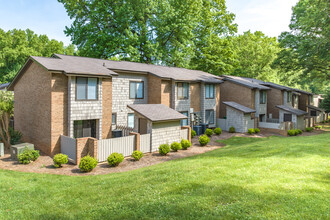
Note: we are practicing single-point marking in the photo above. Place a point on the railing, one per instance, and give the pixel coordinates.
(273, 120)
(125, 130)
(123, 145)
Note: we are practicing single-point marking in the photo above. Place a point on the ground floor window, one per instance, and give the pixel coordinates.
(209, 116)
(287, 117)
(184, 122)
(130, 120)
(84, 128)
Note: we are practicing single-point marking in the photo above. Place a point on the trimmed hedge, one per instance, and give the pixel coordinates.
(217, 131)
(137, 155)
(87, 163)
(185, 144)
(28, 155)
(115, 159)
(209, 132)
(251, 131)
(193, 133)
(256, 130)
(60, 159)
(175, 146)
(164, 149)
(309, 129)
(232, 129)
(204, 140)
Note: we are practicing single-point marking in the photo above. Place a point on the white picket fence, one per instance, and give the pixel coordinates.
(145, 143)
(184, 134)
(123, 145)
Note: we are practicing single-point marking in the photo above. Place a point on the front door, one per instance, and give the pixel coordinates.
(142, 126)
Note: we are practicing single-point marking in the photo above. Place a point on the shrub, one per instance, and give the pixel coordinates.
(60, 159)
(204, 140)
(218, 131)
(15, 136)
(137, 155)
(292, 132)
(209, 132)
(232, 129)
(309, 129)
(318, 127)
(251, 131)
(87, 163)
(115, 159)
(193, 133)
(164, 149)
(299, 131)
(28, 155)
(175, 146)
(256, 130)
(185, 144)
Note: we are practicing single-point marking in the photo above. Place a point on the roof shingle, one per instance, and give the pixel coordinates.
(291, 109)
(239, 107)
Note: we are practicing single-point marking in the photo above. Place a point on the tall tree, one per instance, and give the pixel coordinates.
(255, 52)
(167, 32)
(308, 41)
(17, 45)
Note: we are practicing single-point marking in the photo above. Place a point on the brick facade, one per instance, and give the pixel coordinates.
(275, 97)
(195, 89)
(106, 107)
(154, 89)
(32, 106)
(166, 90)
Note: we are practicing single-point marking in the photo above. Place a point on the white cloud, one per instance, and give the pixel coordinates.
(269, 16)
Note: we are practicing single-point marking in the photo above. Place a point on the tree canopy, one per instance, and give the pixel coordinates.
(150, 31)
(17, 45)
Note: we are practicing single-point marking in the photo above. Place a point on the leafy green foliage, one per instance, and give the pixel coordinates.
(292, 132)
(217, 131)
(164, 149)
(193, 133)
(60, 159)
(299, 131)
(28, 155)
(15, 136)
(115, 159)
(326, 101)
(204, 140)
(185, 144)
(309, 129)
(209, 132)
(87, 163)
(137, 155)
(318, 127)
(17, 45)
(308, 41)
(232, 129)
(159, 32)
(251, 131)
(175, 146)
(256, 130)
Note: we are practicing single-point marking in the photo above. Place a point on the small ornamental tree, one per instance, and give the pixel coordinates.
(6, 111)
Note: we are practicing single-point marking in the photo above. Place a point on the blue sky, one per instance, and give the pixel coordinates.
(49, 17)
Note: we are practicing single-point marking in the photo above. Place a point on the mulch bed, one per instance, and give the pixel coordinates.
(44, 164)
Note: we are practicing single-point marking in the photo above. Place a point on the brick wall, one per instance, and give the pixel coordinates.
(166, 90)
(303, 102)
(32, 107)
(106, 107)
(234, 92)
(154, 89)
(274, 97)
(86, 146)
(59, 110)
(218, 100)
(195, 90)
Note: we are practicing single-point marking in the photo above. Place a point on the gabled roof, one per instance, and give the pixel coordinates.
(302, 91)
(291, 109)
(247, 82)
(316, 108)
(175, 73)
(239, 107)
(157, 112)
(277, 86)
(4, 85)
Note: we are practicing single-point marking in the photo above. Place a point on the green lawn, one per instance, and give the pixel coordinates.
(274, 177)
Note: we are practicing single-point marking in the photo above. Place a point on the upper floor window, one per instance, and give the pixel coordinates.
(183, 90)
(136, 90)
(289, 96)
(86, 88)
(263, 97)
(209, 91)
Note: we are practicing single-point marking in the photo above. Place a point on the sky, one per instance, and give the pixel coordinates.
(49, 17)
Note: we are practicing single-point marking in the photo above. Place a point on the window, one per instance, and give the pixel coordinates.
(289, 96)
(263, 97)
(209, 91)
(209, 116)
(184, 122)
(86, 88)
(114, 118)
(136, 90)
(183, 90)
(262, 118)
(84, 128)
(313, 113)
(287, 117)
(130, 120)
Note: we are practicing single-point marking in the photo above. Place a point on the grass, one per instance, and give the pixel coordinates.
(276, 177)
